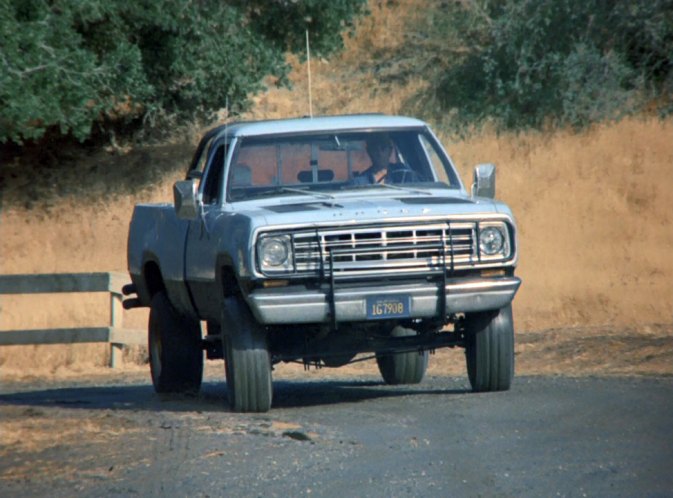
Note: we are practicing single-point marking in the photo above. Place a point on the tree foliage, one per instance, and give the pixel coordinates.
(71, 64)
(284, 22)
(536, 63)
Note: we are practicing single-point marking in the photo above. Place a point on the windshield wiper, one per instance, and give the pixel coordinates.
(319, 195)
(404, 189)
(291, 190)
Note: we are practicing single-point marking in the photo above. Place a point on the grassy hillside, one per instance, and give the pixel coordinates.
(595, 210)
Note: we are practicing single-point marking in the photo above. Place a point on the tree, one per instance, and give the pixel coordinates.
(73, 64)
(284, 22)
(535, 63)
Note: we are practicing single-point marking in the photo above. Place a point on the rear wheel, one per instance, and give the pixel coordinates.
(489, 350)
(174, 343)
(247, 362)
(403, 368)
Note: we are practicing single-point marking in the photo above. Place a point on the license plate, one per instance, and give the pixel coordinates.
(379, 308)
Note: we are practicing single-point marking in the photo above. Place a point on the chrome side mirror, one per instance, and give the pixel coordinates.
(185, 199)
(484, 181)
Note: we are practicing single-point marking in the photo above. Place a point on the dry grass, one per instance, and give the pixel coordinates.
(29, 432)
(349, 82)
(595, 213)
(24, 430)
(595, 210)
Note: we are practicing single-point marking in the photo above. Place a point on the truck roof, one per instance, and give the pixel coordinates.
(316, 124)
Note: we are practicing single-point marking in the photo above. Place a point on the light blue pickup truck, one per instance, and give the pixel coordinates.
(318, 239)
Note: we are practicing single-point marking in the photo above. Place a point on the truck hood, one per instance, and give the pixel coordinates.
(349, 209)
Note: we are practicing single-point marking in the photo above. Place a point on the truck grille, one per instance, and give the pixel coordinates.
(398, 250)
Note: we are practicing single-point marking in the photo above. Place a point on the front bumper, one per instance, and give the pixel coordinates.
(290, 305)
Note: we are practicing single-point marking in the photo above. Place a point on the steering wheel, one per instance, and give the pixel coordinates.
(402, 174)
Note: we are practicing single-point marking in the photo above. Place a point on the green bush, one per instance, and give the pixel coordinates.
(284, 22)
(540, 63)
(73, 64)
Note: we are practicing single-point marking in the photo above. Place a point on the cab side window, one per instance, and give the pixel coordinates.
(200, 159)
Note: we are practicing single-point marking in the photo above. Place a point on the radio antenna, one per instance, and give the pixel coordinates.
(226, 122)
(308, 67)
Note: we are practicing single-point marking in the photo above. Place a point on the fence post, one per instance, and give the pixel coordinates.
(114, 333)
(116, 310)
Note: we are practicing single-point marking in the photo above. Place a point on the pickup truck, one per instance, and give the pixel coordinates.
(316, 240)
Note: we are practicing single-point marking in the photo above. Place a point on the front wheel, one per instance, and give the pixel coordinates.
(174, 343)
(489, 350)
(403, 368)
(247, 362)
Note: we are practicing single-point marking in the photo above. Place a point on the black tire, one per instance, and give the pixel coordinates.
(403, 368)
(247, 361)
(175, 348)
(489, 350)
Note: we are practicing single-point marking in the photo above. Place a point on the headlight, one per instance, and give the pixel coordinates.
(492, 240)
(275, 253)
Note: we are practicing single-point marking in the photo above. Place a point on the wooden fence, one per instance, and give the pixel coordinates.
(113, 333)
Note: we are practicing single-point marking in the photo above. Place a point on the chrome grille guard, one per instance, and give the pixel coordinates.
(380, 251)
(335, 275)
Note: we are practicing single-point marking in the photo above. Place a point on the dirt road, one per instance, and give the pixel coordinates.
(341, 436)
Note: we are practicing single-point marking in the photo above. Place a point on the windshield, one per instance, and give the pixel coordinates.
(326, 163)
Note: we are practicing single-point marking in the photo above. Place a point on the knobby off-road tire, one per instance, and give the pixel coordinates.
(403, 368)
(489, 350)
(174, 344)
(247, 362)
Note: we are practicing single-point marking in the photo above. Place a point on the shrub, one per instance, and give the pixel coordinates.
(73, 64)
(535, 63)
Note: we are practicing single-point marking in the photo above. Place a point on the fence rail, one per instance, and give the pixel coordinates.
(114, 334)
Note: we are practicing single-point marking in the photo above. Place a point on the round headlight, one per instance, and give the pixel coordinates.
(491, 241)
(274, 251)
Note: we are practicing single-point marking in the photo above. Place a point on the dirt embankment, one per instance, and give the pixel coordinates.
(595, 210)
(595, 213)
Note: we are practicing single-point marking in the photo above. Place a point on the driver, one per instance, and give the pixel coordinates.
(379, 149)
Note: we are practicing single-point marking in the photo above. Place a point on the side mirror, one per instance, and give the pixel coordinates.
(194, 174)
(184, 196)
(484, 181)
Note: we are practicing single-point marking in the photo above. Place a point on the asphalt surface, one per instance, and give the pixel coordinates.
(548, 436)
